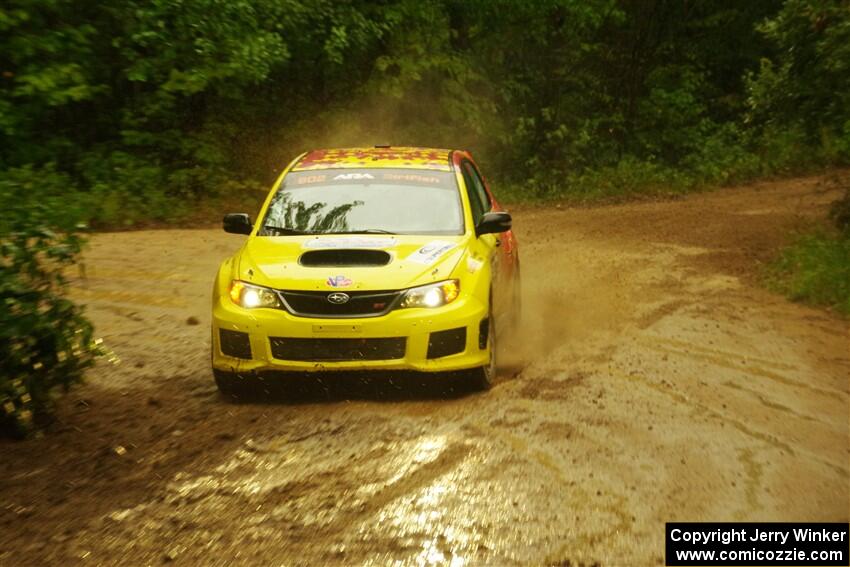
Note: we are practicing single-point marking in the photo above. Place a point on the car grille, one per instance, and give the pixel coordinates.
(360, 303)
(336, 350)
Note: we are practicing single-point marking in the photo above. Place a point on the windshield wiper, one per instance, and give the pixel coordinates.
(366, 231)
(279, 230)
(282, 230)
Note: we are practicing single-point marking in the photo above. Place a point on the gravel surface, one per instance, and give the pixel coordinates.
(653, 381)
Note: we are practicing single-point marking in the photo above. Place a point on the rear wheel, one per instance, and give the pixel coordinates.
(516, 316)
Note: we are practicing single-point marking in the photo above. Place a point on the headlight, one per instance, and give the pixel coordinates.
(432, 295)
(250, 296)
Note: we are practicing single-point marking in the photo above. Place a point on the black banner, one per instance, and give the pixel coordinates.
(691, 543)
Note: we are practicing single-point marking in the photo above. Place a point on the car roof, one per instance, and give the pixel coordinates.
(379, 156)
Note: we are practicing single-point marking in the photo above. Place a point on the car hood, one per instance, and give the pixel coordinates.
(279, 261)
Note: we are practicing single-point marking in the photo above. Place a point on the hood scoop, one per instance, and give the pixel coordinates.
(344, 257)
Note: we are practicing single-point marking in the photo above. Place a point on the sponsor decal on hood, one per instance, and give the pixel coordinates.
(339, 281)
(431, 252)
(350, 242)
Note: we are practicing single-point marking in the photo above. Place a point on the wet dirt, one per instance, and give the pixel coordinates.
(656, 381)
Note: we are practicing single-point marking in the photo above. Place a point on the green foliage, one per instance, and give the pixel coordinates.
(45, 342)
(149, 105)
(840, 212)
(128, 104)
(806, 85)
(722, 157)
(816, 269)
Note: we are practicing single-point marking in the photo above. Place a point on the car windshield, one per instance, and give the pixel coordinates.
(354, 201)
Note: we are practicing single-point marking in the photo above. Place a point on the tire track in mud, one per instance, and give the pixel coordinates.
(755, 371)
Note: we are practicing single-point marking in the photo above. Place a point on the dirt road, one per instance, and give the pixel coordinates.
(659, 383)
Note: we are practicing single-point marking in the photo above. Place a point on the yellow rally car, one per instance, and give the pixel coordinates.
(382, 258)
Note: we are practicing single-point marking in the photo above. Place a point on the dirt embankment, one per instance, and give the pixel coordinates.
(658, 383)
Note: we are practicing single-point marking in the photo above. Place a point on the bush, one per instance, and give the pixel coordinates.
(722, 158)
(630, 177)
(45, 342)
(123, 190)
(816, 269)
(840, 212)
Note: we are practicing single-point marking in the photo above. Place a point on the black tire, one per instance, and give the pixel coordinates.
(484, 376)
(231, 385)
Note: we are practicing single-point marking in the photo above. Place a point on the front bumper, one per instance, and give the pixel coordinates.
(426, 340)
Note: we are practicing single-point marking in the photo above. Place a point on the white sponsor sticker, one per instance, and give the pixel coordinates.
(350, 242)
(472, 264)
(431, 252)
(351, 176)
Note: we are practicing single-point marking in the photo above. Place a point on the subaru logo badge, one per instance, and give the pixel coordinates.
(338, 298)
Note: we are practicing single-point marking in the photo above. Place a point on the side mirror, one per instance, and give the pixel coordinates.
(492, 223)
(238, 223)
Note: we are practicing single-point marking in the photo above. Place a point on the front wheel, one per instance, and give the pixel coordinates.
(484, 376)
(230, 384)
